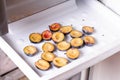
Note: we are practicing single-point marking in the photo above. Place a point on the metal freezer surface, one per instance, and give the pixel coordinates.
(85, 12)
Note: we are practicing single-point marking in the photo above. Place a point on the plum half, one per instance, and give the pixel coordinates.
(48, 56)
(55, 27)
(76, 34)
(46, 35)
(73, 53)
(48, 47)
(77, 42)
(60, 61)
(87, 29)
(63, 45)
(42, 64)
(66, 29)
(89, 40)
(30, 50)
(35, 37)
(58, 37)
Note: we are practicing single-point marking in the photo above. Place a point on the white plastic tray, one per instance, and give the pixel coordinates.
(85, 12)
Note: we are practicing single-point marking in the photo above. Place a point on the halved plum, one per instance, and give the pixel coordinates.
(48, 56)
(58, 37)
(60, 61)
(77, 42)
(66, 29)
(76, 34)
(48, 47)
(30, 50)
(88, 29)
(73, 53)
(89, 40)
(55, 27)
(63, 45)
(42, 64)
(35, 37)
(46, 35)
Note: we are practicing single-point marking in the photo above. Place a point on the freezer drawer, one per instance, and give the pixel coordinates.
(75, 12)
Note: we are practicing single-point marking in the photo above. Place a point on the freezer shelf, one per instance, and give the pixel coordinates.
(85, 12)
